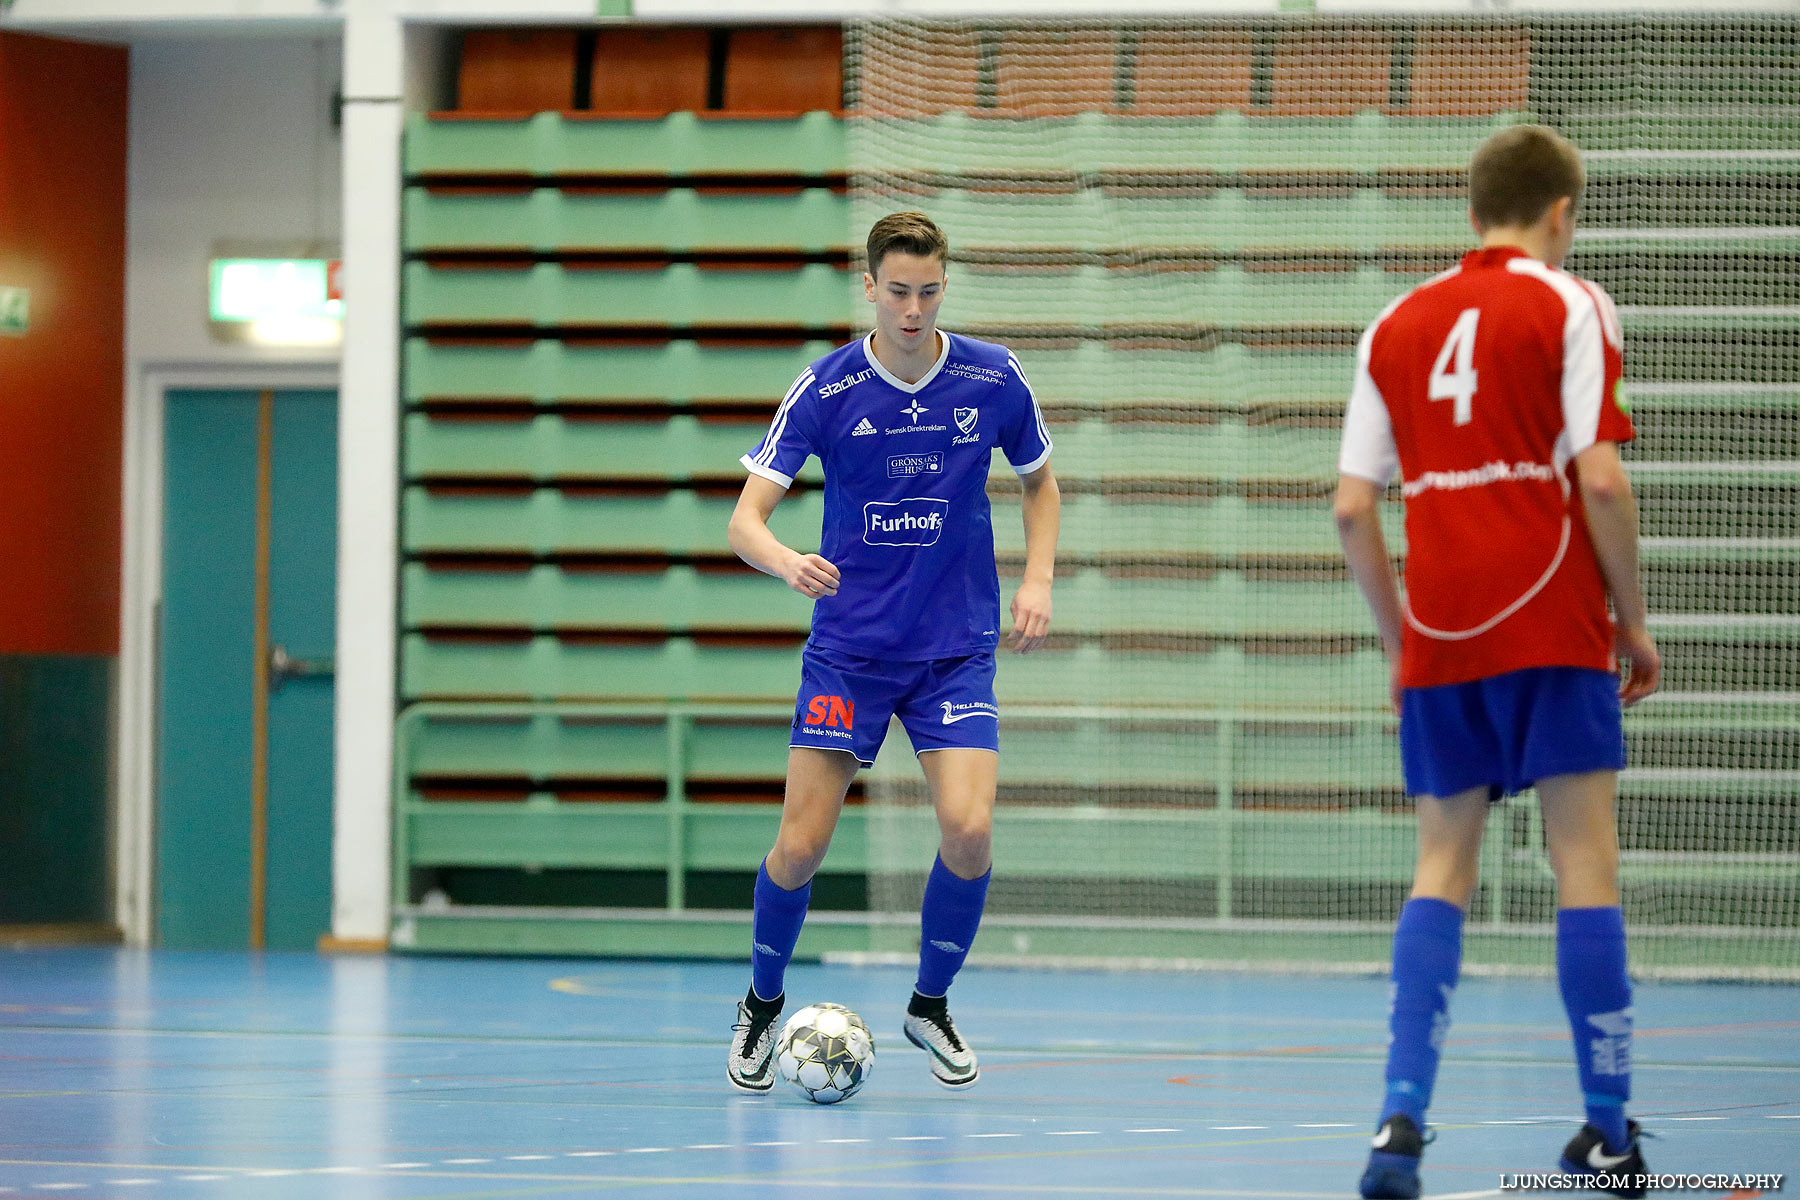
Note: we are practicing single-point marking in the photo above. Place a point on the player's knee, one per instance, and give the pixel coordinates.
(800, 851)
(967, 843)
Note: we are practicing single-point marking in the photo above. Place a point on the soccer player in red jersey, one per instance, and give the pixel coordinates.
(1493, 390)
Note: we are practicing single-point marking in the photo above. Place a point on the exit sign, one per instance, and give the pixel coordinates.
(15, 310)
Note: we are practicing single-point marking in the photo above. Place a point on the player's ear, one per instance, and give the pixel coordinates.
(868, 287)
(1475, 223)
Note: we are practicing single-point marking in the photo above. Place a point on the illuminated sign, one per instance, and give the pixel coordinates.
(15, 310)
(278, 300)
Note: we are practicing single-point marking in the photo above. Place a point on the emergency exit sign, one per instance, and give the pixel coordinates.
(15, 311)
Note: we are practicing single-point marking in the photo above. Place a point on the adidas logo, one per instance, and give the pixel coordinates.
(947, 947)
(863, 428)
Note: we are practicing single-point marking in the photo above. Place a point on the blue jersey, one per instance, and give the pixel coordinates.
(906, 510)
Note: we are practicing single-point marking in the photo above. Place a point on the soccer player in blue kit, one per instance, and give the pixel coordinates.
(906, 616)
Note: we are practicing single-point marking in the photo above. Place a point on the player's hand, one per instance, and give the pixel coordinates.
(1640, 664)
(811, 576)
(1031, 616)
(1394, 688)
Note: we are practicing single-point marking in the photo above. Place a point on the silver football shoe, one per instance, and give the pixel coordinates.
(751, 1066)
(929, 1027)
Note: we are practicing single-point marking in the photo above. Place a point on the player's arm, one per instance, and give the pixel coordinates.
(1358, 512)
(1042, 509)
(752, 541)
(1612, 520)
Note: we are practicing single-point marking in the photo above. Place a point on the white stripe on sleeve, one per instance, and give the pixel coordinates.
(1584, 359)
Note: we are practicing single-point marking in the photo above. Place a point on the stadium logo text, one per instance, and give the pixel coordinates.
(846, 383)
(830, 710)
(901, 466)
(915, 522)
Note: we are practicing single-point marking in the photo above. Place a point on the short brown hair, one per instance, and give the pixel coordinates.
(906, 233)
(1518, 173)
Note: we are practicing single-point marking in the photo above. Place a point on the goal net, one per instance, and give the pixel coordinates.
(1182, 227)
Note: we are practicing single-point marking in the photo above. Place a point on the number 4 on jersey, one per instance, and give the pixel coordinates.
(1453, 375)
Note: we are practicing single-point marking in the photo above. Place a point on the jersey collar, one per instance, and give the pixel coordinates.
(1492, 256)
(893, 379)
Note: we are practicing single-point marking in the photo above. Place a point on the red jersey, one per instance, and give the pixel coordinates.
(1480, 386)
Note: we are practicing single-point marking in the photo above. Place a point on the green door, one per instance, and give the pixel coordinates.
(247, 630)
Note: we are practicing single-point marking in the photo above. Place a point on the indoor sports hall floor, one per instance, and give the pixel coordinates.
(160, 1075)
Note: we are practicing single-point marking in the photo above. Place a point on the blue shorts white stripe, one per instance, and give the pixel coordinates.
(1509, 731)
(845, 703)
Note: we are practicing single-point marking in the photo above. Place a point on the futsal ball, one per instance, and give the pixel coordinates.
(826, 1051)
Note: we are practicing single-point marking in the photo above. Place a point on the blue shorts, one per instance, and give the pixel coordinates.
(845, 702)
(1509, 731)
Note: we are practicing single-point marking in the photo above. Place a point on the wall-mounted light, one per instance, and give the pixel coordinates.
(276, 301)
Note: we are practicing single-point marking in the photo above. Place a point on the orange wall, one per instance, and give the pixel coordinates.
(63, 127)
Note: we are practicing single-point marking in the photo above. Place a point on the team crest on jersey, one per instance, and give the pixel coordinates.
(965, 418)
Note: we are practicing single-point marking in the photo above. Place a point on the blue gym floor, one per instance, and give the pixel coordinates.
(159, 1075)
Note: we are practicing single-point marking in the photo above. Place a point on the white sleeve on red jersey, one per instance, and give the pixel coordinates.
(1368, 450)
(1592, 361)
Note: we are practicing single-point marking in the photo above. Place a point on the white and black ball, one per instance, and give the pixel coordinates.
(826, 1051)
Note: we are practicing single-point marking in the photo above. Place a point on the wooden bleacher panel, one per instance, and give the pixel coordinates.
(1082, 74)
(650, 71)
(785, 70)
(939, 72)
(1329, 73)
(1178, 73)
(516, 71)
(1445, 60)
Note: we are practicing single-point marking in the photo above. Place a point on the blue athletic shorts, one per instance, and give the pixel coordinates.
(845, 702)
(1509, 731)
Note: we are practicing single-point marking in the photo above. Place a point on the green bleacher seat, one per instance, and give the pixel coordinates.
(547, 521)
(547, 747)
(546, 668)
(1100, 527)
(1096, 373)
(681, 144)
(551, 446)
(679, 598)
(675, 221)
(1097, 299)
(546, 598)
(1227, 142)
(546, 371)
(683, 295)
(1126, 222)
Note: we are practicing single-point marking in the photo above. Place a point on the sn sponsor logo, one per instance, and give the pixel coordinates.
(915, 522)
(831, 711)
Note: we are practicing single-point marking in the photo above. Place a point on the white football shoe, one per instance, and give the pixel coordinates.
(750, 1067)
(928, 1026)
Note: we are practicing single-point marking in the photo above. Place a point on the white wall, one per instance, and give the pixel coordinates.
(231, 141)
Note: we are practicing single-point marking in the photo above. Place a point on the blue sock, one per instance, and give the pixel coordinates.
(948, 920)
(1427, 958)
(1596, 991)
(774, 928)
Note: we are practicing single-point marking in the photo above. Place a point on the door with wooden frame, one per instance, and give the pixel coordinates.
(246, 634)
